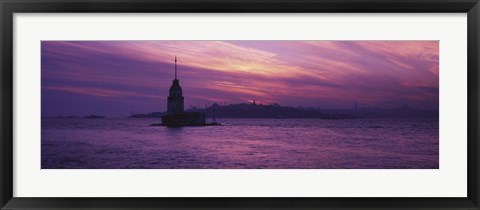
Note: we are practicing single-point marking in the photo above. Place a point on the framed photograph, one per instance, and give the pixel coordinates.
(239, 104)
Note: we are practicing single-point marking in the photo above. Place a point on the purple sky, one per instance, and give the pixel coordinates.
(115, 78)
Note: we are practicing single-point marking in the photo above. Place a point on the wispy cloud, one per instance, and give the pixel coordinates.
(99, 92)
(314, 73)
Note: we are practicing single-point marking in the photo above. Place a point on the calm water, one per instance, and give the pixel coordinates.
(241, 143)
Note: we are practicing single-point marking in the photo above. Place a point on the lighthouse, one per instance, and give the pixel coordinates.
(176, 115)
(175, 96)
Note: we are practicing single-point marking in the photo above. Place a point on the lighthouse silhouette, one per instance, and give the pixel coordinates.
(175, 96)
(176, 116)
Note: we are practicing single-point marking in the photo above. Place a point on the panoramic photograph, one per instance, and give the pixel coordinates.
(240, 104)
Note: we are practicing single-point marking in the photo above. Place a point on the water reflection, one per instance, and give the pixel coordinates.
(241, 143)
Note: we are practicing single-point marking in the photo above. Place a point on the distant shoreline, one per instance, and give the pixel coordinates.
(275, 111)
(368, 118)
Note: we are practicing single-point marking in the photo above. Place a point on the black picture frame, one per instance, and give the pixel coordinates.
(9, 7)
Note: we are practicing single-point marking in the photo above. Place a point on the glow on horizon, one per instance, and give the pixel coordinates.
(135, 75)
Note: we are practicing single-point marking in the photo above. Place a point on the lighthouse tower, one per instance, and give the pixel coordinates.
(175, 97)
(175, 115)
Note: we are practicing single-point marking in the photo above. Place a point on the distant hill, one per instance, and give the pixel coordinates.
(268, 111)
(276, 111)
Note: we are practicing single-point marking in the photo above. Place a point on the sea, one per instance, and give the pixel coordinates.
(132, 143)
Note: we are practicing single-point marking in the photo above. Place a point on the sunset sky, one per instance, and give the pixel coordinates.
(115, 78)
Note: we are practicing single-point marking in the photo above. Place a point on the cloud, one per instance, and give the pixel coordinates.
(99, 92)
(314, 73)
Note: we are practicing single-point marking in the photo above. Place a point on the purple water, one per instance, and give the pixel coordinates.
(241, 143)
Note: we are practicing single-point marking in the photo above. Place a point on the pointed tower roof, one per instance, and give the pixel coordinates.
(176, 83)
(175, 67)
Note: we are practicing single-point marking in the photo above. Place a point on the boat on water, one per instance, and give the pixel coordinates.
(182, 125)
(92, 116)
